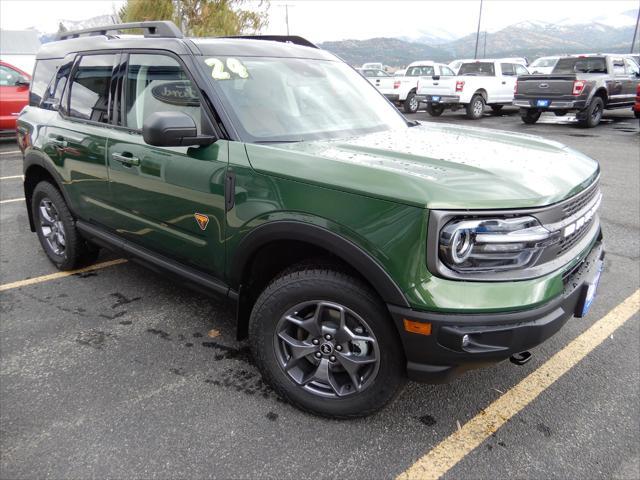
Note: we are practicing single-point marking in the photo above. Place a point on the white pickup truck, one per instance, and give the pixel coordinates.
(478, 83)
(405, 87)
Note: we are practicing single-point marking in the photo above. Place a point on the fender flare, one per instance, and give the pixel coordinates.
(37, 158)
(345, 249)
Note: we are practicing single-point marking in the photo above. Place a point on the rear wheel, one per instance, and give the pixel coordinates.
(411, 104)
(560, 113)
(325, 342)
(435, 110)
(56, 229)
(530, 115)
(475, 107)
(591, 116)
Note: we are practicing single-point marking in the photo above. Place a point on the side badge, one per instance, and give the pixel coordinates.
(202, 220)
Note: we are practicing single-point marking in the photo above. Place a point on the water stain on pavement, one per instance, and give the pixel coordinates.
(161, 333)
(94, 338)
(244, 381)
(544, 429)
(428, 420)
(122, 300)
(225, 352)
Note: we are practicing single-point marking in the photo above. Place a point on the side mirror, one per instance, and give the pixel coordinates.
(173, 129)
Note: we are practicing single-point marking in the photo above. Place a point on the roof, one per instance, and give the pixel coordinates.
(182, 46)
(19, 42)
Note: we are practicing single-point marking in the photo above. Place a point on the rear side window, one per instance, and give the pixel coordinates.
(507, 69)
(89, 96)
(520, 70)
(158, 83)
(483, 69)
(446, 71)
(424, 71)
(42, 78)
(632, 67)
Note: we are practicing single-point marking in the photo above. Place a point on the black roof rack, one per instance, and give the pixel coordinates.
(278, 38)
(159, 29)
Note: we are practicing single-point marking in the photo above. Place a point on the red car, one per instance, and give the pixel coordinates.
(14, 94)
(636, 106)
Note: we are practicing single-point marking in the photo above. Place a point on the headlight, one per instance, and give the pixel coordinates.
(492, 244)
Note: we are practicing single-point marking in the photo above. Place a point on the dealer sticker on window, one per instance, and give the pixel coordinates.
(231, 68)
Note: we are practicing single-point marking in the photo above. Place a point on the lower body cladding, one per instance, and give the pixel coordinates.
(392, 97)
(445, 345)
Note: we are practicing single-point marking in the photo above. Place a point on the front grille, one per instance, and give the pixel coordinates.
(568, 242)
(572, 206)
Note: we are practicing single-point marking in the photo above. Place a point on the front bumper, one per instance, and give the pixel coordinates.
(440, 99)
(460, 342)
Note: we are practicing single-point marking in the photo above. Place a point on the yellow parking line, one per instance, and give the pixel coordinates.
(9, 153)
(11, 200)
(11, 177)
(54, 276)
(455, 447)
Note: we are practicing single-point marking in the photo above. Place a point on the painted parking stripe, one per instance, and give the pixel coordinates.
(454, 448)
(54, 276)
(11, 200)
(11, 177)
(10, 153)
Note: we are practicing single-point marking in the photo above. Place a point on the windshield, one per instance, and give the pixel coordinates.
(544, 62)
(484, 69)
(581, 65)
(295, 99)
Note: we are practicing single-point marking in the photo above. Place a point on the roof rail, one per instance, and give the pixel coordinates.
(278, 38)
(159, 29)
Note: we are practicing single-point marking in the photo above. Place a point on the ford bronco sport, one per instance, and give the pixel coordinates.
(360, 248)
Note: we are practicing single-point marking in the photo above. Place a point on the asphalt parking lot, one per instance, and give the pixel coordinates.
(117, 372)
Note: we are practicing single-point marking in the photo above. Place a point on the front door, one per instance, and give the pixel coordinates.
(167, 199)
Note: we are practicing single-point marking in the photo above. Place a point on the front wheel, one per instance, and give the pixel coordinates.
(411, 104)
(530, 115)
(475, 107)
(325, 342)
(435, 110)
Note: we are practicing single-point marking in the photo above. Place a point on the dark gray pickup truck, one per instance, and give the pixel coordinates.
(585, 84)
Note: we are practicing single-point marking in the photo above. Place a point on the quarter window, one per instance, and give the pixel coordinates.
(42, 76)
(158, 83)
(89, 98)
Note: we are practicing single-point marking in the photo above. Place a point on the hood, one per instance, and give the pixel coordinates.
(436, 166)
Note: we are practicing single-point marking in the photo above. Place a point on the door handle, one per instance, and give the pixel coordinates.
(59, 142)
(126, 159)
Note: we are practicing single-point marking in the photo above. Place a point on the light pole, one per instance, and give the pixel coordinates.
(475, 55)
(635, 31)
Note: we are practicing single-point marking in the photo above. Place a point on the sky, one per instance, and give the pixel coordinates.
(321, 20)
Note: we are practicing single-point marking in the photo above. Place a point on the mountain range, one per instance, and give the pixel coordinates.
(529, 39)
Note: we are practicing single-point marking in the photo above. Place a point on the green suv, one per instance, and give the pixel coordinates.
(360, 248)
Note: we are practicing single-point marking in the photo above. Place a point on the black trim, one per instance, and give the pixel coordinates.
(352, 254)
(155, 29)
(492, 337)
(99, 235)
(295, 39)
(229, 190)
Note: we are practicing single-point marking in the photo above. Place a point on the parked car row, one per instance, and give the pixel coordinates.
(14, 95)
(584, 84)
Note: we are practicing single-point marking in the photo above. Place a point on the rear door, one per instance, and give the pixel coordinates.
(167, 199)
(507, 82)
(76, 137)
(617, 83)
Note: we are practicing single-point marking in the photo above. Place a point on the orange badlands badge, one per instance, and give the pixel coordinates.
(202, 220)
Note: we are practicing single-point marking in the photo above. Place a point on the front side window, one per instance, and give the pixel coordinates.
(520, 70)
(89, 96)
(446, 71)
(296, 99)
(158, 83)
(632, 67)
(481, 69)
(9, 77)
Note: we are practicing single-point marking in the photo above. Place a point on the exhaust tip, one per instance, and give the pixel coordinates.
(520, 358)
